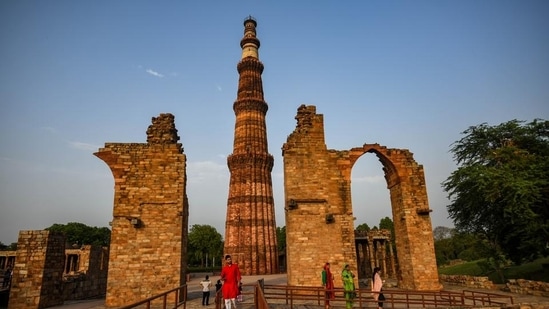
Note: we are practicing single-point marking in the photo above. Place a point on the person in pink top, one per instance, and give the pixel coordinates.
(230, 275)
(377, 286)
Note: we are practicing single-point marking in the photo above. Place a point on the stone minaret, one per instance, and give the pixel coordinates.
(250, 228)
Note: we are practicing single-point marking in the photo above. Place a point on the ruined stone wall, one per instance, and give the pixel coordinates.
(319, 219)
(517, 286)
(468, 281)
(527, 287)
(90, 280)
(38, 273)
(150, 214)
(319, 212)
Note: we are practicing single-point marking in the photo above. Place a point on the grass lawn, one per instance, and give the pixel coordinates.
(537, 270)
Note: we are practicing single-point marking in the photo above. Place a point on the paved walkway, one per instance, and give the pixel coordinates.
(195, 294)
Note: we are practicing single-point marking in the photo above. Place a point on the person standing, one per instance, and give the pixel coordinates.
(328, 283)
(218, 286)
(230, 275)
(206, 284)
(348, 285)
(377, 286)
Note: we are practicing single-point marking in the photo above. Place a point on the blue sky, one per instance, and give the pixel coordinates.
(405, 74)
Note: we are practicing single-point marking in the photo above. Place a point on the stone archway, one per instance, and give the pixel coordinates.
(319, 213)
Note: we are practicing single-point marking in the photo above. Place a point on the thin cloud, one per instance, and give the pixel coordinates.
(204, 171)
(83, 146)
(154, 73)
(49, 129)
(219, 88)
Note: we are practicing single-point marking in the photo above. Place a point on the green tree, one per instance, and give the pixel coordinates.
(81, 234)
(363, 227)
(12, 246)
(469, 247)
(462, 246)
(500, 191)
(444, 250)
(281, 238)
(204, 243)
(387, 224)
(443, 232)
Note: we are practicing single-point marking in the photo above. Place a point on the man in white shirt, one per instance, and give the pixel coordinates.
(206, 284)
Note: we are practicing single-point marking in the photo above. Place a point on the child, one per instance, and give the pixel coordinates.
(239, 296)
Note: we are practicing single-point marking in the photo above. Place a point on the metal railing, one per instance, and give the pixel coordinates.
(266, 296)
(290, 296)
(483, 298)
(177, 295)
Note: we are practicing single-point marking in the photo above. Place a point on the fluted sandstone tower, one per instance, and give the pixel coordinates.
(250, 228)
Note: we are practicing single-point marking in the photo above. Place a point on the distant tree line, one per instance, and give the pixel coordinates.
(10, 247)
(81, 234)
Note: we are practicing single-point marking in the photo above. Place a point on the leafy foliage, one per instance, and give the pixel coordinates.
(457, 246)
(387, 224)
(11, 247)
(81, 234)
(363, 227)
(501, 187)
(443, 232)
(281, 238)
(204, 243)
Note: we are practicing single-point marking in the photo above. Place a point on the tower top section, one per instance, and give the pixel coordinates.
(250, 43)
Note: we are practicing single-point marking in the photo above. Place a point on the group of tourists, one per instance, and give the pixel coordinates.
(349, 290)
(230, 285)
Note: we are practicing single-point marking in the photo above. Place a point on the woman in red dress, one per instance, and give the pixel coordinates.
(328, 283)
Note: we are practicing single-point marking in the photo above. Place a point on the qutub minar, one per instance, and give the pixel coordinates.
(250, 227)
